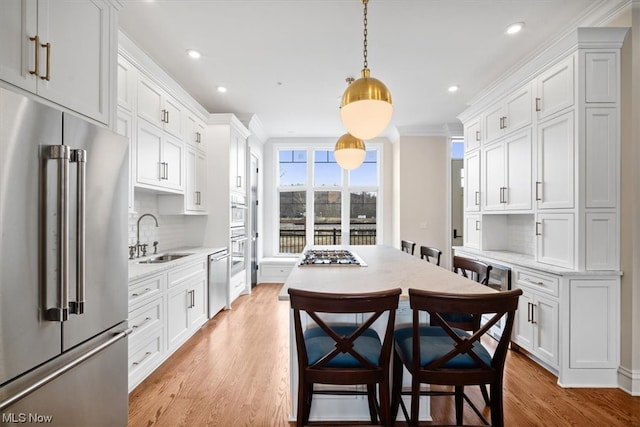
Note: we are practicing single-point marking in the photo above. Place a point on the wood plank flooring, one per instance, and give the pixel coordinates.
(235, 372)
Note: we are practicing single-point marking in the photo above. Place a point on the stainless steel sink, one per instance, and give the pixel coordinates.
(158, 259)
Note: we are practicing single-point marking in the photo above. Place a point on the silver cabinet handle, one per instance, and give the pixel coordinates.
(147, 354)
(238, 181)
(198, 137)
(478, 135)
(529, 312)
(533, 282)
(146, 291)
(161, 170)
(533, 308)
(166, 170)
(538, 104)
(477, 198)
(164, 118)
(477, 225)
(538, 191)
(503, 194)
(80, 157)
(146, 320)
(538, 227)
(61, 153)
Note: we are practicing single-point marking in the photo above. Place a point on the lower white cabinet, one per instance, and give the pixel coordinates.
(472, 231)
(555, 239)
(165, 309)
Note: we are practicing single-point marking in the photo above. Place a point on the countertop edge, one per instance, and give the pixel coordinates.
(138, 271)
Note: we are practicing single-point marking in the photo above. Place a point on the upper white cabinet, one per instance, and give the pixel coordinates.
(238, 162)
(159, 108)
(508, 115)
(472, 194)
(159, 159)
(60, 50)
(473, 134)
(196, 181)
(194, 132)
(555, 171)
(555, 89)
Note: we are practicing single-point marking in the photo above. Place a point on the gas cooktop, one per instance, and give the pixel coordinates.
(330, 257)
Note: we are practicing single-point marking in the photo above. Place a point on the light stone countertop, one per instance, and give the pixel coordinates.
(528, 261)
(140, 271)
(387, 268)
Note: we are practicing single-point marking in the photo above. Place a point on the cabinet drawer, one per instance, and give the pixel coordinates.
(145, 358)
(177, 275)
(145, 290)
(275, 273)
(539, 281)
(142, 320)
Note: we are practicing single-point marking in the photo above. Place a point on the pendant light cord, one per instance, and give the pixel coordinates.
(366, 63)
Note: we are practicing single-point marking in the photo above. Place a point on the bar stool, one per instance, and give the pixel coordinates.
(446, 355)
(427, 253)
(408, 246)
(339, 354)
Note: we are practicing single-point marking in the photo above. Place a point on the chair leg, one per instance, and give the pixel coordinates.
(397, 385)
(497, 414)
(308, 401)
(415, 402)
(459, 391)
(485, 394)
(385, 404)
(371, 394)
(302, 404)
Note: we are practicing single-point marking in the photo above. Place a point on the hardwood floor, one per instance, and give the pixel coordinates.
(235, 372)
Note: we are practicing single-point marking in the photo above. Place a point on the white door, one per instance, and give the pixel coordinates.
(493, 123)
(190, 180)
(472, 194)
(555, 177)
(545, 320)
(472, 134)
(555, 239)
(148, 154)
(472, 231)
(457, 200)
(518, 171)
(518, 109)
(198, 306)
(178, 302)
(150, 102)
(555, 89)
(172, 155)
(522, 327)
(173, 122)
(18, 23)
(201, 180)
(494, 182)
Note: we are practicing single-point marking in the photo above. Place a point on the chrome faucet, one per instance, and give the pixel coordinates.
(138, 245)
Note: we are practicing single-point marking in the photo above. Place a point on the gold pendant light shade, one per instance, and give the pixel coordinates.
(366, 107)
(349, 152)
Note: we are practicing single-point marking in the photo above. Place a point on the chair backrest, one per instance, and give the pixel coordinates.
(408, 246)
(472, 268)
(314, 304)
(427, 253)
(478, 369)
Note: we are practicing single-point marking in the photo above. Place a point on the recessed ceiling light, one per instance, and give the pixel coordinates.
(515, 28)
(193, 53)
(453, 88)
(222, 89)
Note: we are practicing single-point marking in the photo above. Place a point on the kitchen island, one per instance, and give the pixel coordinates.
(386, 268)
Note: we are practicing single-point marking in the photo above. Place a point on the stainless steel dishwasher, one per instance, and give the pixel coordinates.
(218, 281)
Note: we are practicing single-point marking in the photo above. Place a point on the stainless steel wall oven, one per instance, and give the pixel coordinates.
(238, 249)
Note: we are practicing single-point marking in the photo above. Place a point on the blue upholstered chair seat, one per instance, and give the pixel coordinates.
(319, 344)
(435, 343)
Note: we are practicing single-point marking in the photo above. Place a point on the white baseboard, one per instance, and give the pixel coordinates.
(629, 380)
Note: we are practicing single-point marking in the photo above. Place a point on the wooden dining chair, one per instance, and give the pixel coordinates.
(343, 354)
(429, 253)
(446, 355)
(408, 246)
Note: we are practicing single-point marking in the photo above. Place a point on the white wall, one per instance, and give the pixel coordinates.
(423, 188)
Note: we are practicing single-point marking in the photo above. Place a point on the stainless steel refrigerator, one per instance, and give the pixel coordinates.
(63, 268)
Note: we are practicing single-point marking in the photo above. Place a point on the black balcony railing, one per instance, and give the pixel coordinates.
(293, 240)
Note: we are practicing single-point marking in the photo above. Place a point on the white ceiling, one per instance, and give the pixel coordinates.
(286, 61)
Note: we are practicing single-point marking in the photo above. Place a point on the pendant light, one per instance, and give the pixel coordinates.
(366, 107)
(349, 152)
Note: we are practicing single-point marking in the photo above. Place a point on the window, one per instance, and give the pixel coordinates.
(344, 203)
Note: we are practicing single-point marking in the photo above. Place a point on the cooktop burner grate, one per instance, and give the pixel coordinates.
(333, 257)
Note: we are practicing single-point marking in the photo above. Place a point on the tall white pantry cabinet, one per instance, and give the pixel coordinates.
(542, 196)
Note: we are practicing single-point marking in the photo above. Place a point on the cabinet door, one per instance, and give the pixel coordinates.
(242, 163)
(472, 134)
(519, 109)
(201, 180)
(472, 181)
(18, 22)
(148, 154)
(198, 306)
(518, 171)
(150, 102)
(522, 327)
(555, 89)
(492, 123)
(178, 303)
(555, 177)
(494, 182)
(174, 117)
(124, 127)
(127, 81)
(555, 239)
(545, 321)
(172, 156)
(191, 197)
(78, 60)
(472, 231)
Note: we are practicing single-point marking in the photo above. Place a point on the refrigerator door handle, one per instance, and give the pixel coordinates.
(80, 157)
(62, 155)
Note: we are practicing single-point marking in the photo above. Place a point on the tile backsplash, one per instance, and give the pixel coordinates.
(520, 234)
(170, 232)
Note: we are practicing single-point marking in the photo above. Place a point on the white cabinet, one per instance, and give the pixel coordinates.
(536, 325)
(238, 162)
(555, 239)
(196, 181)
(507, 173)
(472, 194)
(124, 126)
(555, 170)
(59, 50)
(509, 115)
(555, 89)
(472, 134)
(159, 158)
(194, 132)
(159, 108)
(472, 231)
(127, 85)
